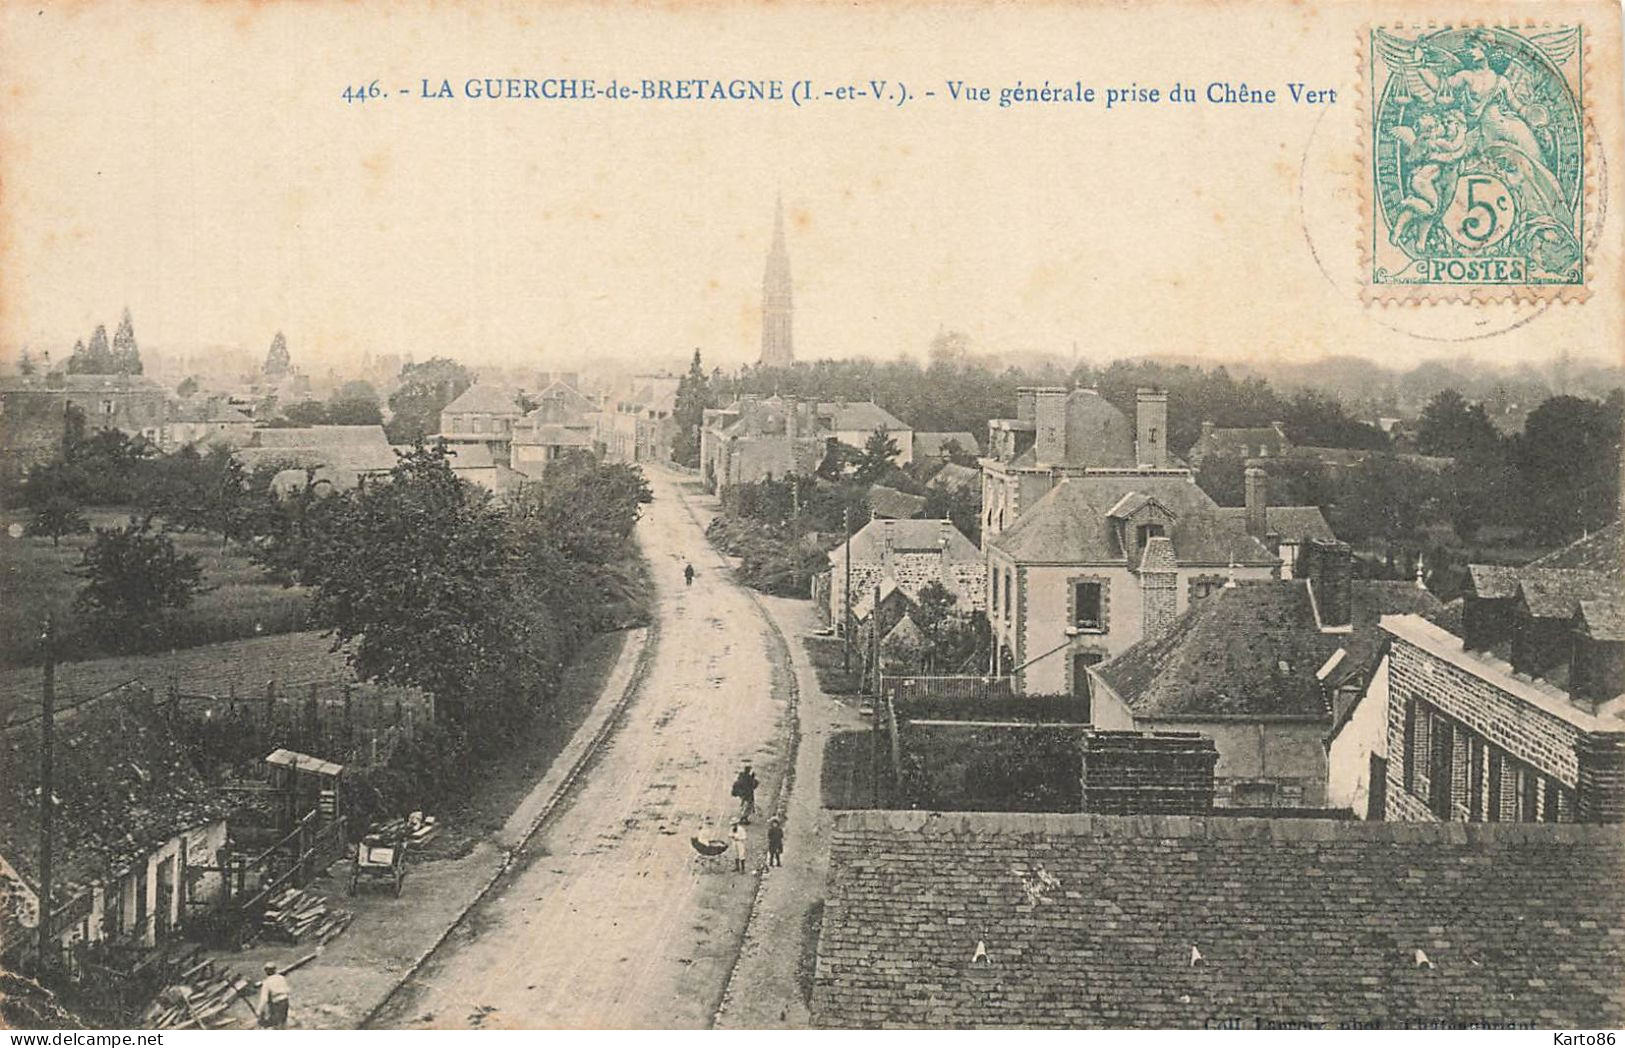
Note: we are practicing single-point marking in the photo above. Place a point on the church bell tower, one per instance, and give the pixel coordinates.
(777, 308)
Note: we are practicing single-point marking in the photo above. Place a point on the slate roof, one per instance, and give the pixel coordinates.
(869, 542)
(553, 434)
(954, 477)
(930, 445)
(1555, 593)
(1253, 649)
(1602, 551)
(346, 449)
(1604, 618)
(866, 415)
(124, 784)
(1292, 523)
(485, 398)
(1069, 525)
(1091, 921)
(889, 502)
(1493, 581)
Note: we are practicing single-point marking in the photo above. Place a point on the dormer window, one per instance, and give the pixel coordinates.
(1144, 533)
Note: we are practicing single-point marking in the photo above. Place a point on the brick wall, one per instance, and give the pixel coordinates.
(1130, 772)
(1602, 777)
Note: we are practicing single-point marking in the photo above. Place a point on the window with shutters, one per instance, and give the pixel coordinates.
(1442, 749)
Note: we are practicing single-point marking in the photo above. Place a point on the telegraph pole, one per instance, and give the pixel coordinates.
(846, 594)
(47, 810)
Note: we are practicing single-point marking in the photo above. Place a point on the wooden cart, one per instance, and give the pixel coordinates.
(379, 857)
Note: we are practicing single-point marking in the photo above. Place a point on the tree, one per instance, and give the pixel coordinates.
(354, 404)
(693, 397)
(95, 358)
(59, 515)
(424, 392)
(1452, 427)
(126, 355)
(414, 574)
(277, 361)
(188, 386)
(1568, 459)
(306, 413)
(880, 451)
(134, 579)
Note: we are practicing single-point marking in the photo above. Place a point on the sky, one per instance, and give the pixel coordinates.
(197, 163)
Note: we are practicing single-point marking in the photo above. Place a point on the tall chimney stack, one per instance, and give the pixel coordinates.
(792, 416)
(1049, 416)
(1027, 403)
(1151, 426)
(1257, 501)
(1331, 580)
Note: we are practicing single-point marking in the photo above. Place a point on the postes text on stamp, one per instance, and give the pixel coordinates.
(1475, 179)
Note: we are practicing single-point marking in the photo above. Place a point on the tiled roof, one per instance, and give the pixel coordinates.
(1493, 581)
(1292, 523)
(848, 415)
(898, 505)
(360, 449)
(1253, 649)
(485, 398)
(869, 542)
(1186, 922)
(123, 784)
(930, 445)
(1069, 525)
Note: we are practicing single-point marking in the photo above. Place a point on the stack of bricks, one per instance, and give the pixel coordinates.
(1146, 773)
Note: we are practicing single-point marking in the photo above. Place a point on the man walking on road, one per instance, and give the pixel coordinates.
(775, 842)
(688, 574)
(745, 790)
(738, 835)
(274, 999)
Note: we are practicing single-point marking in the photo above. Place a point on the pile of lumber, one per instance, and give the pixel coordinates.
(204, 998)
(417, 829)
(295, 915)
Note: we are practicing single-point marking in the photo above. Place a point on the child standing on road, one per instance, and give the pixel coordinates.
(775, 842)
(738, 835)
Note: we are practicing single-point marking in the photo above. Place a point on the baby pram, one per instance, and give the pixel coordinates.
(710, 852)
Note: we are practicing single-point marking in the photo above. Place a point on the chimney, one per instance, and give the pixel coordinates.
(1049, 416)
(1151, 425)
(1026, 403)
(792, 417)
(1257, 501)
(1331, 581)
(1159, 587)
(1601, 786)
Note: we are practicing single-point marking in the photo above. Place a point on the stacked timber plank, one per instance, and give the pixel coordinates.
(205, 998)
(295, 915)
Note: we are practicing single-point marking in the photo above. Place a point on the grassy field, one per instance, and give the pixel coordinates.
(37, 577)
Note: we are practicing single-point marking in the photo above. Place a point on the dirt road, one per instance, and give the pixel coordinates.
(610, 921)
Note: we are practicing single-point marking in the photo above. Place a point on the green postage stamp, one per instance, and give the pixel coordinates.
(1475, 178)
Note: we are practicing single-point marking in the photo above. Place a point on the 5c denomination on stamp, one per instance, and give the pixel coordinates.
(1475, 179)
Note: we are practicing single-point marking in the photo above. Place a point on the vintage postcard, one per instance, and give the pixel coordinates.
(925, 515)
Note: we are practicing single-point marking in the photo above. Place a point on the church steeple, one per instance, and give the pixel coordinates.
(777, 308)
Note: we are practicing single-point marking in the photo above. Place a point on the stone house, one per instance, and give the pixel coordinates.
(1264, 667)
(137, 831)
(204, 421)
(537, 443)
(1284, 530)
(1523, 717)
(34, 410)
(636, 424)
(1099, 562)
(853, 422)
(485, 413)
(1242, 442)
(906, 555)
(756, 438)
(968, 920)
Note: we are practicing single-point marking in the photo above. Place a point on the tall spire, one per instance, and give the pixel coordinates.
(777, 307)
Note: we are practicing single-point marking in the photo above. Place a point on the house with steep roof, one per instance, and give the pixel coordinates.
(989, 919)
(137, 830)
(945, 445)
(1522, 717)
(954, 477)
(205, 420)
(636, 423)
(853, 422)
(485, 413)
(34, 410)
(1264, 667)
(1284, 530)
(1240, 442)
(905, 555)
(890, 502)
(536, 444)
(1102, 560)
(341, 456)
(756, 438)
